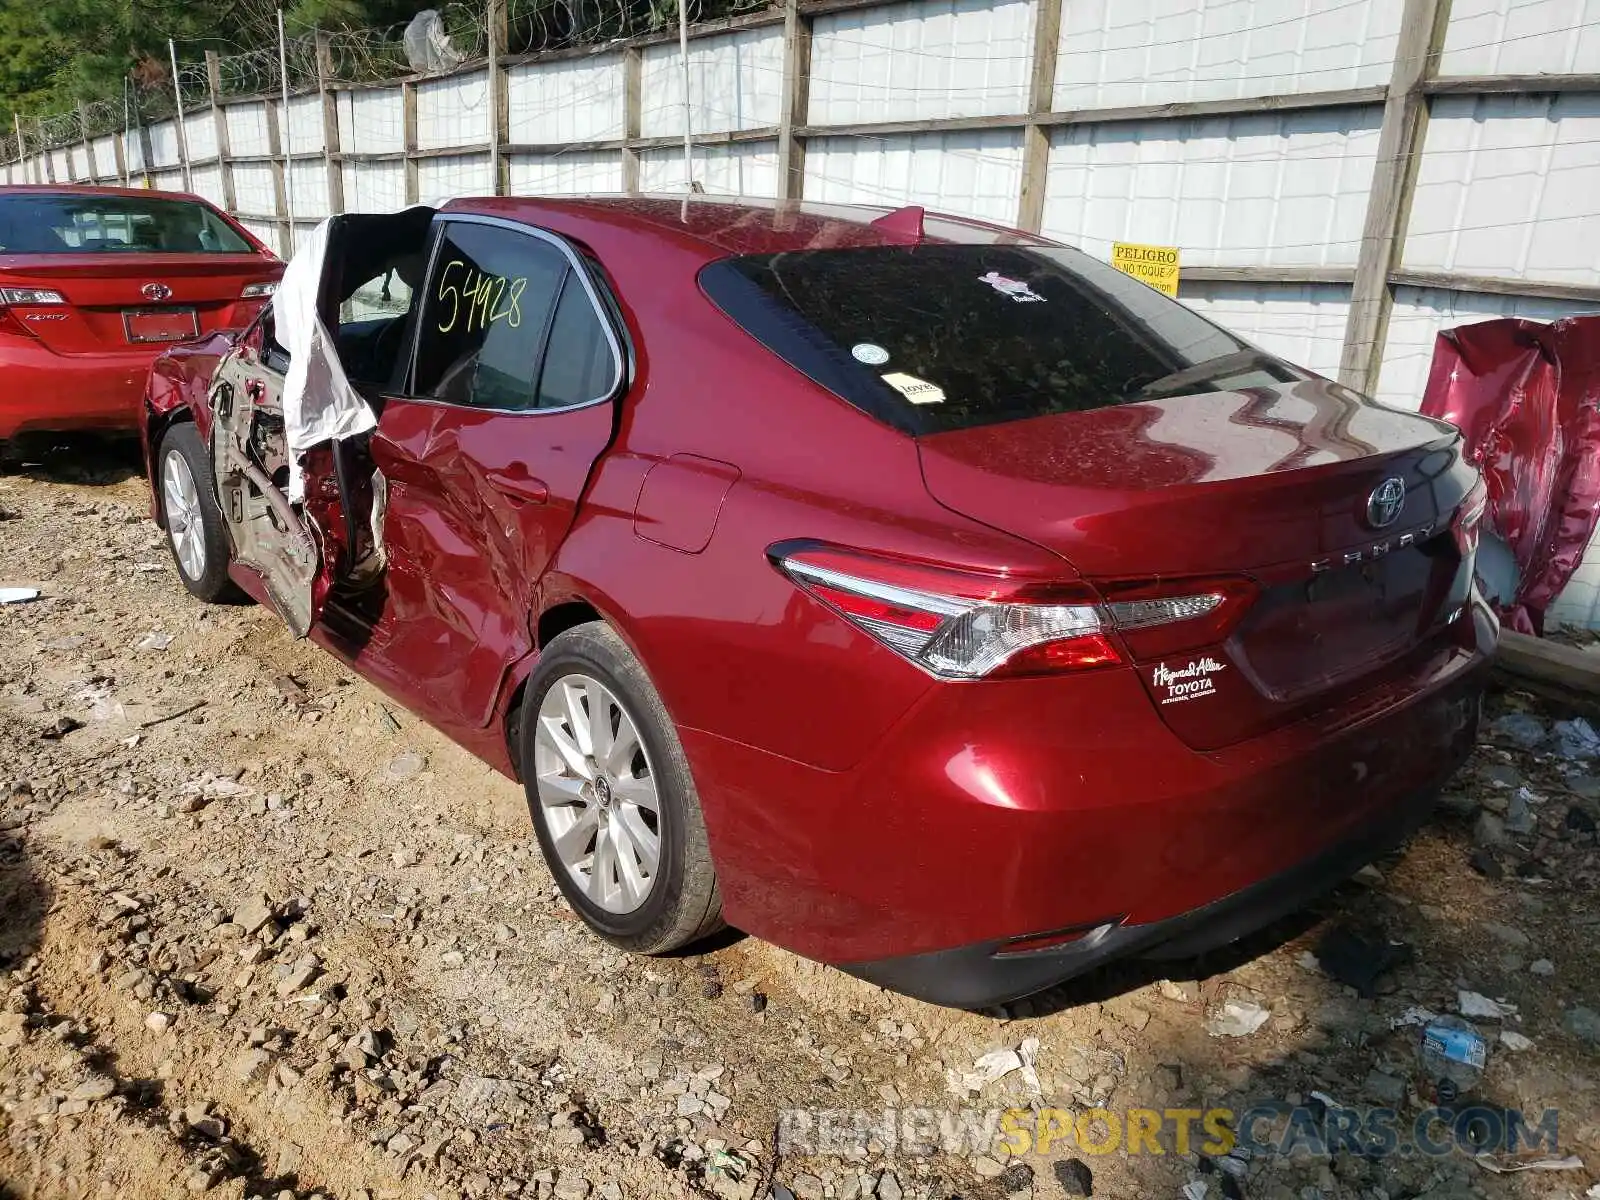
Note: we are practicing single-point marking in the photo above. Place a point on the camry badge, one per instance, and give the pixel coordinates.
(1385, 503)
(156, 291)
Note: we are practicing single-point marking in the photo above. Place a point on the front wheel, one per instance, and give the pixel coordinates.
(195, 534)
(612, 800)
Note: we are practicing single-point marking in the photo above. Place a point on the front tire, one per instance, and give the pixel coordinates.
(195, 533)
(613, 803)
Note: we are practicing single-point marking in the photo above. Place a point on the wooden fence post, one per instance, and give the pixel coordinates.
(408, 118)
(331, 145)
(182, 133)
(88, 148)
(280, 183)
(796, 98)
(49, 159)
(496, 31)
(219, 123)
(632, 114)
(1400, 142)
(1041, 98)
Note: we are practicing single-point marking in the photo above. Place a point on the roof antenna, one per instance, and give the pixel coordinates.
(903, 224)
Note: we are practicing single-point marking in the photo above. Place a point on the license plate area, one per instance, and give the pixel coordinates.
(160, 324)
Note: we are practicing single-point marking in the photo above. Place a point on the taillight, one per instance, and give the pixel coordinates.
(9, 321)
(1161, 617)
(1466, 525)
(15, 295)
(258, 291)
(964, 625)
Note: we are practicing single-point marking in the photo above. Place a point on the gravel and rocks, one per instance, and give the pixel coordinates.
(280, 939)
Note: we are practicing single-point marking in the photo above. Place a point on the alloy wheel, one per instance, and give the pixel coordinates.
(597, 791)
(182, 501)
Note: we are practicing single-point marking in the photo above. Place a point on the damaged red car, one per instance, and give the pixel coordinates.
(925, 597)
(94, 283)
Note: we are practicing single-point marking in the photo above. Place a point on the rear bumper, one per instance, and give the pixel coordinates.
(1001, 811)
(984, 975)
(45, 392)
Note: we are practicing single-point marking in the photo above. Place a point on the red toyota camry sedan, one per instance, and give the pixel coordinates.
(925, 597)
(94, 283)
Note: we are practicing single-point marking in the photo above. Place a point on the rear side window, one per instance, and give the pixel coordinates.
(936, 337)
(508, 324)
(487, 311)
(41, 223)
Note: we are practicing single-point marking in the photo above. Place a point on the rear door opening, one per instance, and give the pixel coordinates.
(1061, 401)
(308, 539)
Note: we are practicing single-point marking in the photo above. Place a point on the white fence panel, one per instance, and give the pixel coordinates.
(79, 163)
(302, 132)
(1117, 53)
(1510, 186)
(1275, 189)
(105, 156)
(977, 174)
(310, 191)
(739, 169)
(926, 60)
(441, 179)
(1522, 37)
(1579, 603)
(571, 100)
(60, 166)
(565, 174)
(248, 131)
(1303, 323)
(207, 182)
(735, 82)
(200, 135)
(372, 121)
(167, 181)
(453, 112)
(374, 186)
(164, 144)
(1420, 313)
(253, 189)
(264, 230)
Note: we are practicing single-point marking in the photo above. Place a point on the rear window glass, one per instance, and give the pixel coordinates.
(34, 223)
(937, 337)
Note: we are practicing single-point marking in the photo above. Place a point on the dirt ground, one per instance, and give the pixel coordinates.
(264, 933)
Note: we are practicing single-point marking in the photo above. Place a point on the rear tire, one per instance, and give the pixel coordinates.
(590, 789)
(195, 532)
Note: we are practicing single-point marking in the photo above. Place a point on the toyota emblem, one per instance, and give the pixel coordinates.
(1386, 501)
(156, 291)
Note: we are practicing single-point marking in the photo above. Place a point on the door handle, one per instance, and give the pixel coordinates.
(514, 481)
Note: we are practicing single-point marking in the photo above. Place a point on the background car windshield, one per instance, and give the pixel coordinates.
(937, 337)
(86, 224)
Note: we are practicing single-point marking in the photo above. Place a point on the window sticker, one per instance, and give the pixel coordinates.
(918, 391)
(867, 352)
(1015, 288)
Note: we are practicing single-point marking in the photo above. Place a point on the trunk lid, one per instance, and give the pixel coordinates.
(1272, 484)
(106, 295)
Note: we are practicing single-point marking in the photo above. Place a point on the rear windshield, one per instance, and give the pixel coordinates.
(34, 223)
(937, 337)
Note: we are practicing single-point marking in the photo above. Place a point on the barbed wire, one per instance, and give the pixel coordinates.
(363, 56)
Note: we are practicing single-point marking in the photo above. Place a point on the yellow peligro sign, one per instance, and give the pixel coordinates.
(1155, 265)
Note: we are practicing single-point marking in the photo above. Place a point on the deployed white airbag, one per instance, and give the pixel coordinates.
(319, 405)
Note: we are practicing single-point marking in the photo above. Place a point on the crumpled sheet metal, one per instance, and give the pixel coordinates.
(1526, 397)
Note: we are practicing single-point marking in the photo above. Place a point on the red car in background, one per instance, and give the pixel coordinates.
(95, 283)
(928, 598)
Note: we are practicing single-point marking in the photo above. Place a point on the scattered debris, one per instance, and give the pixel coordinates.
(1357, 960)
(1074, 1176)
(18, 595)
(1236, 1018)
(1501, 1166)
(1476, 1004)
(154, 640)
